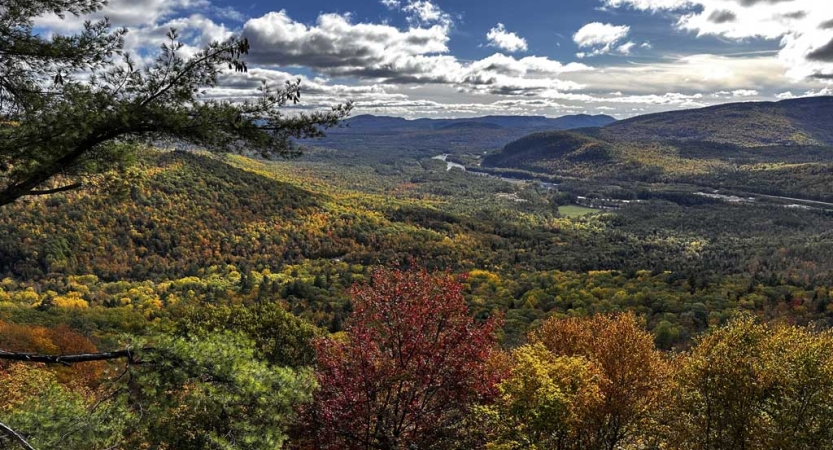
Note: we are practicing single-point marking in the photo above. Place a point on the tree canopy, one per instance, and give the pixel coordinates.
(73, 107)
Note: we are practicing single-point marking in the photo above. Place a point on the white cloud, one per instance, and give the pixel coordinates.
(600, 37)
(127, 13)
(425, 12)
(147, 22)
(420, 12)
(626, 48)
(410, 71)
(798, 25)
(650, 5)
(505, 40)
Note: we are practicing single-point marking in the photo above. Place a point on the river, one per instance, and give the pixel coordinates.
(450, 165)
(453, 165)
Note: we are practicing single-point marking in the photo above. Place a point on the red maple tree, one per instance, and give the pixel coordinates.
(411, 365)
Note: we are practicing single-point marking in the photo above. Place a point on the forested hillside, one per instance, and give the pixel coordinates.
(291, 225)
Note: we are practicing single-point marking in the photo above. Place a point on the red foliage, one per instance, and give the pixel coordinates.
(412, 364)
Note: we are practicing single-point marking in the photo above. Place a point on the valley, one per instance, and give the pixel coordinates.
(590, 229)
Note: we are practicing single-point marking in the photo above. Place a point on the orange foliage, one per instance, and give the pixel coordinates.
(633, 372)
(53, 341)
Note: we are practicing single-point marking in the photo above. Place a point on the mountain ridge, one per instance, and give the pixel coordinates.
(370, 121)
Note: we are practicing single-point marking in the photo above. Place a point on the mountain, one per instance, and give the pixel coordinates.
(806, 121)
(774, 147)
(379, 138)
(566, 145)
(370, 122)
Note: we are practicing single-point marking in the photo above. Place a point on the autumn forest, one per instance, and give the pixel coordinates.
(185, 272)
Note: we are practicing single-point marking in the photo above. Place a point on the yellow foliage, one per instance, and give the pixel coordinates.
(70, 300)
(544, 400)
(26, 297)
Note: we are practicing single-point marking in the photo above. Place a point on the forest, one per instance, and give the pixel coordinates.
(181, 272)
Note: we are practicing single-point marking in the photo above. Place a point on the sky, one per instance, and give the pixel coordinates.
(463, 58)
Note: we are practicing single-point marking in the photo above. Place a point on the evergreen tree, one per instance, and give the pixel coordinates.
(58, 128)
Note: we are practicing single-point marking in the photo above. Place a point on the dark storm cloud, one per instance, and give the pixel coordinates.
(823, 53)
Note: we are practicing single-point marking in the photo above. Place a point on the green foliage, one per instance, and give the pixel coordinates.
(52, 416)
(754, 386)
(195, 230)
(279, 337)
(213, 392)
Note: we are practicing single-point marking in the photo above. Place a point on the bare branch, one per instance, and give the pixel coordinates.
(56, 190)
(128, 354)
(8, 431)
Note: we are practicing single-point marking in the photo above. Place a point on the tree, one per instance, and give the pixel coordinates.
(183, 393)
(58, 128)
(543, 401)
(754, 386)
(46, 414)
(280, 338)
(408, 370)
(632, 374)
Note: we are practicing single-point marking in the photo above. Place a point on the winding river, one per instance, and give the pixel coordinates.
(450, 165)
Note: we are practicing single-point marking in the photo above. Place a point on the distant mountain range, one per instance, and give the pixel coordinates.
(370, 122)
(380, 137)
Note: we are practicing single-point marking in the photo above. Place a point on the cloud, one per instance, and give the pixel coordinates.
(505, 40)
(823, 53)
(420, 12)
(650, 5)
(803, 28)
(148, 21)
(600, 37)
(127, 13)
(626, 48)
(703, 73)
(722, 16)
(335, 46)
